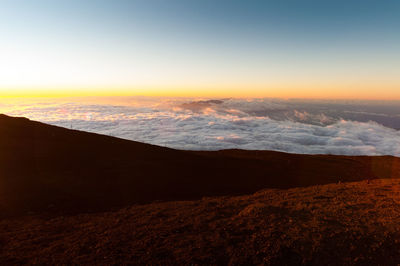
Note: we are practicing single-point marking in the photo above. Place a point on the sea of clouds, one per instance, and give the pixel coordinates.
(310, 127)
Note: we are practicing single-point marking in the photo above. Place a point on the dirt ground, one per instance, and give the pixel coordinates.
(337, 224)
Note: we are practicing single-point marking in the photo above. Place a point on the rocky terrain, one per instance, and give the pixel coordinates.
(337, 224)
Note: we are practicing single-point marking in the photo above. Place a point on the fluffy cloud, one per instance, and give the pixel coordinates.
(223, 124)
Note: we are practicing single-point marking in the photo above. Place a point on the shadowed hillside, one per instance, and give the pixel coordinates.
(48, 168)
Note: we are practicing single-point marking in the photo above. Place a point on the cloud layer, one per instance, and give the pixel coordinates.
(223, 124)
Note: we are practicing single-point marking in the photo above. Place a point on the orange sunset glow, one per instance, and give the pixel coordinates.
(369, 91)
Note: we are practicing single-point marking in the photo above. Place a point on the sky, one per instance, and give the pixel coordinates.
(203, 48)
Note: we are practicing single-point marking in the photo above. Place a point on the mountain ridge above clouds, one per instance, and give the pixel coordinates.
(48, 169)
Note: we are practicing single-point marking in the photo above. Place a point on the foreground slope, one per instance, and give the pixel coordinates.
(48, 168)
(336, 224)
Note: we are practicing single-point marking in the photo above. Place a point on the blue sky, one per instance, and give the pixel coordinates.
(268, 47)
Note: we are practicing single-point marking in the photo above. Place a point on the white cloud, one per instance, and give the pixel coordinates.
(221, 125)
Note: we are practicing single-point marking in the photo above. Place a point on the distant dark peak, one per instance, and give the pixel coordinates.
(210, 102)
(207, 102)
(199, 105)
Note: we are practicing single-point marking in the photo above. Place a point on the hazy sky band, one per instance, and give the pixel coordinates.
(266, 48)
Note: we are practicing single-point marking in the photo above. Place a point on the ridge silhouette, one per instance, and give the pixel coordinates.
(45, 168)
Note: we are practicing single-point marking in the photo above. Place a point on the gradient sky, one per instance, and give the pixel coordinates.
(291, 49)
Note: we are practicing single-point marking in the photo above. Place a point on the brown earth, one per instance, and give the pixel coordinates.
(337, 224)
(50, 169)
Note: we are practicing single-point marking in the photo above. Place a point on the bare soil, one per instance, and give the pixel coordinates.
(337, 224)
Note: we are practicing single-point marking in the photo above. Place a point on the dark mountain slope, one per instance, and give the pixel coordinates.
(48, 168)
